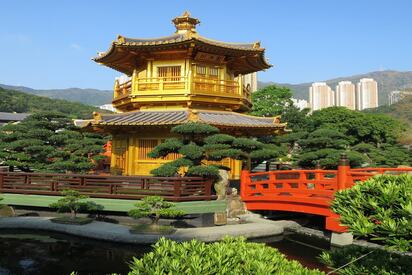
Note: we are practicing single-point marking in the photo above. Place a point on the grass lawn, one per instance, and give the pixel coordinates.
(117, 205)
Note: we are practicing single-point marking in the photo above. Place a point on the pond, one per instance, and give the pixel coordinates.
(24, 252)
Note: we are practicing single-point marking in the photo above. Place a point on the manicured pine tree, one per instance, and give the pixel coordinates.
(201, 142)
(49, 142)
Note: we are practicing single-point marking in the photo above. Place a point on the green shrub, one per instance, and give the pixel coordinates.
(220, 139)
(379, 209)
(169, 146)
(229, 256)
(209, 171)
(192, 151)
(155, 207)
(195, 128)
(74, 203)
(377, 262)
(165, 170)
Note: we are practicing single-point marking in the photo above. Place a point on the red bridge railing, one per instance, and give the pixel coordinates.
(117, 187)
(304, 191)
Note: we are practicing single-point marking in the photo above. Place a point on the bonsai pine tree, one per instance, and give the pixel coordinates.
(74, 202)
(201, 142)
(154, 207)
(49, 142)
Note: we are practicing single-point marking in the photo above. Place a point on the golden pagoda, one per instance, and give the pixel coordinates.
(173, 80)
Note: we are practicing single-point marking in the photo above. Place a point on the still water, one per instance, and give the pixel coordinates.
(26, 252)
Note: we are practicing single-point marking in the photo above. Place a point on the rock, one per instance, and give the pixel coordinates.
(341, 239)
(220, 218)
(235, 205)
(222, 184)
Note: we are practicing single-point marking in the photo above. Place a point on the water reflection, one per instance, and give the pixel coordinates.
(51, 253)
(32, 252)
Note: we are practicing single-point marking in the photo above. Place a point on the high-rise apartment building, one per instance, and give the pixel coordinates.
(320, 96)
(250, 81)
(396, 96)
(366, 94)
(345, 95)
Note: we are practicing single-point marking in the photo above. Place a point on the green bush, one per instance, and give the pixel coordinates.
(229, 256)
(165, 170)
(195, 128)
(220, 139)
(191, 151)
(155, 207)
(169, 146)
(74, 203)
(379, 209)
(377, 262)
(209, 171)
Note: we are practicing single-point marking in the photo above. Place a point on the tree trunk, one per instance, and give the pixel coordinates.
(155, 219)
(72, 214)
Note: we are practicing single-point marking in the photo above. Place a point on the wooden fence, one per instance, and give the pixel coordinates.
(118, 187)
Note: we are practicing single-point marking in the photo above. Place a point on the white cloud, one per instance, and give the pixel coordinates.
(75, 46)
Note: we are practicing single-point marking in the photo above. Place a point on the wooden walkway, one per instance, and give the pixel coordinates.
(304, 191)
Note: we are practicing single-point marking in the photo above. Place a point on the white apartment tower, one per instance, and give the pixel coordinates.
(367, 94)
(345, 95)
(251, 81)
(320, 96)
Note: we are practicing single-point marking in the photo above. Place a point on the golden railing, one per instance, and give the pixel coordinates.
(207, 85)
(122, 90)
(180, 84)
(160, 83)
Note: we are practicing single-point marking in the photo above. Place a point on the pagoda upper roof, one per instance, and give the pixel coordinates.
(127, 53)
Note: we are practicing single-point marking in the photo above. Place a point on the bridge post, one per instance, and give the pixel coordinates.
(244, 180)
(343, 172)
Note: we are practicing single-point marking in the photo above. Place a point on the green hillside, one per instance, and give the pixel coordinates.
(14, 101)
(387, 81)
(401, 110)
(92, 97)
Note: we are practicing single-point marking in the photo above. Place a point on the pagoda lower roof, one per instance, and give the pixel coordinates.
(216, 118)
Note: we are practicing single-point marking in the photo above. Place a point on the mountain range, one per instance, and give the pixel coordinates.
(92, 97)
(387, 81)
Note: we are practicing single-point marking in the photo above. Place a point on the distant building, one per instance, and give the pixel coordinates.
(320, 96)
(345, 95)
(251, 80)
(108, 107)
(366, 94)
(300, 103)
(11, 117)
(396, 96)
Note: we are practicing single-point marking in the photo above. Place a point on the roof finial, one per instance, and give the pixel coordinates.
(185, 23)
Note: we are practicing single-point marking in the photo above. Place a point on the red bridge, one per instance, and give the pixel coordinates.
(304, 191)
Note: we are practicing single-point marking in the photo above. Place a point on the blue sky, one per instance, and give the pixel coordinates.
(49, 44)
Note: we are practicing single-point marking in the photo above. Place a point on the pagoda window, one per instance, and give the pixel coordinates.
(214, 72)
(201, 70)
(145, 147)
(169, 73)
